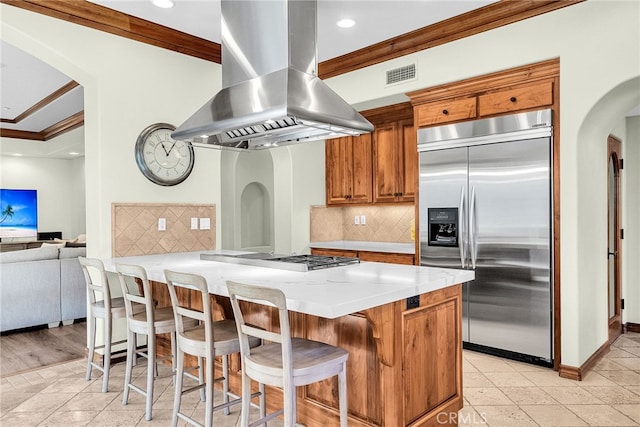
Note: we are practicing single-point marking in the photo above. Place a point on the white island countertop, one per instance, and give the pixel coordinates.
(329, 292)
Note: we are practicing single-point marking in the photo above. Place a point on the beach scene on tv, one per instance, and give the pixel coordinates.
(18, 213)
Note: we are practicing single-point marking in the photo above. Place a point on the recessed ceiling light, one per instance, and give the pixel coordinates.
(165, 4)
(346, 23)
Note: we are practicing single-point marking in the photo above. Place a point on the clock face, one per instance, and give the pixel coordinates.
(162, 159)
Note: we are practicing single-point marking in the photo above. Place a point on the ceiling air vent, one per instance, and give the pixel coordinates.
(401, 74)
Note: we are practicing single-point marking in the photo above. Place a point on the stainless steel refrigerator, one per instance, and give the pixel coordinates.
(485, 204)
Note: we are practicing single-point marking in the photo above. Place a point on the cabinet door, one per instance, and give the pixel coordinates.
(338, 154)
(360, 179)
(445, 111)
(385, 161)
(517, 98)
(408, 166)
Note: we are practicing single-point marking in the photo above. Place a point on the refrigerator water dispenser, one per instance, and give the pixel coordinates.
(443, 226)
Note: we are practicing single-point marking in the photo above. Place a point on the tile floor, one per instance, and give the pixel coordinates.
(498, 392)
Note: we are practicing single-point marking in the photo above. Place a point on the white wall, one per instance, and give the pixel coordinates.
(60, 185)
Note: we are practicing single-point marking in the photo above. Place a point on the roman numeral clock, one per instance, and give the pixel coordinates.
(163, 160)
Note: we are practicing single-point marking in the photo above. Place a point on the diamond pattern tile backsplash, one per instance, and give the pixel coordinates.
(135, 228)
(383, 223)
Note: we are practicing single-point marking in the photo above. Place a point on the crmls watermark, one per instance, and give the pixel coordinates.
(458, 418)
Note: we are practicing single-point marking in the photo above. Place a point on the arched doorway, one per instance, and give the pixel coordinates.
(614, 155)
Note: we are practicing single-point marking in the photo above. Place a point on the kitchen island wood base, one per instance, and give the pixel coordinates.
(404, 367)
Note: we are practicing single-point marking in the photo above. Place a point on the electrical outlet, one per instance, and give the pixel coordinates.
(356, 220)
(162, 224)
(205, 223)
(194, 223)
(363, 219)
(413, 302)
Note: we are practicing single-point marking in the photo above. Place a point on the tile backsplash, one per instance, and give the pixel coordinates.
(135, 228)
(382, 223)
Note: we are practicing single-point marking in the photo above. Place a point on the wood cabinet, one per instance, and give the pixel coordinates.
(380, 167)
(348, 170)
(516, 98)
(395, 162)
(449, 110)
(392, 258)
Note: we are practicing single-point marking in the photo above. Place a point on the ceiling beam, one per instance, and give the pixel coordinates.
(64, 125)
(486, 18)
(111, 21)
(42, 103)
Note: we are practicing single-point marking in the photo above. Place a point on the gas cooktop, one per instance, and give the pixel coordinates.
(283, 262)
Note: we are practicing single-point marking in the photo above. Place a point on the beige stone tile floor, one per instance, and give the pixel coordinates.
(497, 392)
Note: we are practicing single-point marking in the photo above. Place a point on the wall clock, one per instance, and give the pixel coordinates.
(162, 159)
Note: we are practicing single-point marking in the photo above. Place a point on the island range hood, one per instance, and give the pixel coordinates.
(271, 96)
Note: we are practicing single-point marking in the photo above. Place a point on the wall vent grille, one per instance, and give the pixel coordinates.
(401, 74)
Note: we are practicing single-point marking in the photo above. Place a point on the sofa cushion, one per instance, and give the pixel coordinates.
(36, 254)
(72, 252)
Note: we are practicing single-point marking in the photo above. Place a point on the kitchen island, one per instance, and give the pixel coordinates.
(401, 325)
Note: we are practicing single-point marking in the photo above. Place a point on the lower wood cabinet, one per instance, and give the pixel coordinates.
(392, 258)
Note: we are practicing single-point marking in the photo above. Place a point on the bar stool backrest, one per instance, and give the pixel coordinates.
(97, 289)
(182, 313)
(133, 301)
(264, 296)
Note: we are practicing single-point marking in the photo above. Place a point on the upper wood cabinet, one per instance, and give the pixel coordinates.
(525, 88)
(449, 110)
(517, 98)
(395, 159)
(348, 170)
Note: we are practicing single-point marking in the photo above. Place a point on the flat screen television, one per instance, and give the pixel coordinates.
(18, 213)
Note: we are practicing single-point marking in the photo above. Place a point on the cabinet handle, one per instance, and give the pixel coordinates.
(513, 99)
(445, 112)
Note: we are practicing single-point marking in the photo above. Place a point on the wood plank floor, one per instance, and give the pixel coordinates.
(31, 349)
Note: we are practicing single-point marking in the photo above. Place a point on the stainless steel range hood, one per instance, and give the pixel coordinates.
(271, 96)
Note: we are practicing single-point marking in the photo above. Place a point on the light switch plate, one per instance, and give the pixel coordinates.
(162, 224)
(363, 219)
(205, 223)
(194, 223)
(356, 220)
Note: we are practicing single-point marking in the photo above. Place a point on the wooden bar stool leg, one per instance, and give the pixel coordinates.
(342, 395)
(129, 366)
(151, 372)
(177, 397)
(225, 381)
(91, 326)
(107, 353)
(208, 415)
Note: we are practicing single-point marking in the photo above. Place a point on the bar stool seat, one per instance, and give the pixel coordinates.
(284, 361)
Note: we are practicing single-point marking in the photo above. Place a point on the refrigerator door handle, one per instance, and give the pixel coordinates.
(472, 236)
(460, 222)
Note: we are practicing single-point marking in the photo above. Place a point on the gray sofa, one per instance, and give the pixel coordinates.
(42, 286)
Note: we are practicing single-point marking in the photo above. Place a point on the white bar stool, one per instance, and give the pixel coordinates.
(209, 339)
(284, 362)
(143, 318)
(101, 306)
